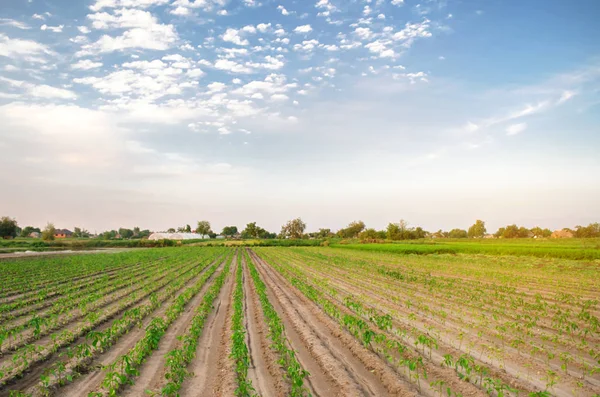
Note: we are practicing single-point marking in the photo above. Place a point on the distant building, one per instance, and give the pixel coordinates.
(35, 235)
(62, 233)
(178, 236)
(561, 234)
(489, 236)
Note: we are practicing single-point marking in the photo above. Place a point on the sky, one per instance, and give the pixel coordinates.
(160, 113)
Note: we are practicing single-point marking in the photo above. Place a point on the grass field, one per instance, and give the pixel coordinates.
(543, 248)
(362, 320)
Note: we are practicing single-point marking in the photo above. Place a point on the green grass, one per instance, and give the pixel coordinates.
(587, 249)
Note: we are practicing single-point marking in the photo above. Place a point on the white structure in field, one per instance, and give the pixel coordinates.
(177, 236)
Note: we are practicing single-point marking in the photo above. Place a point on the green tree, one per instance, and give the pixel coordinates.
(203, 227)
(229, 231)
(125, 233)
(27, 230)
(591, 230)
(80, 233)
(251, 230)
(511, 231)
(400, 231)
(369, 234)
(352, 230)
(500, 232)
(48, 232)
(477, 230)
(523, 232)
(324, 233)
(293, 229)
(457, 233)
(8, 227)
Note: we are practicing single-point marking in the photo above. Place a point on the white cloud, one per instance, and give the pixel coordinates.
(306, 46)
(283, 10)
(13, 23)
(122, 19)
(180, 11)
(263, 27)
(380, 48)
(363, 33)
(23, 49)
(566, 95)
(233, 36)
(216, 86)
(155, 37)
(55, 29)
(470, 127)
(411, 32)
(38, 16)
(397, 2)
(303, 29)
(83, 29)
(515, 129)
(149, 84)
(46, 91)
(195, 73)
(231, 66)
(100, 4)
(86, 64)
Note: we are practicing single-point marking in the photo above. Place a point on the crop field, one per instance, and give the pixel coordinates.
(299, 321)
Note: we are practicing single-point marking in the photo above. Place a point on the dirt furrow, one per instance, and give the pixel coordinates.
(92, 379)
(153, 369)
(264, 372)
(355, 370)
(212, 369)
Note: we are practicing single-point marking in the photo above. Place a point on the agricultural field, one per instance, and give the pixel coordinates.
(299, 321)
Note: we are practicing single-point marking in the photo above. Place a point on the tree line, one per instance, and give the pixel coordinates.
(296, 229)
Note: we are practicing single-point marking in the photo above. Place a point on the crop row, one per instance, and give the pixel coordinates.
(239, 349)
(24, 357)
(178, 359)
(294, 371)
(122, 370)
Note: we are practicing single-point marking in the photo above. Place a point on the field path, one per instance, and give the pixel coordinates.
(212, 368)
(264, 371)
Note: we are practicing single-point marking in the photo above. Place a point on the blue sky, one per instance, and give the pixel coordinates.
(158, 113)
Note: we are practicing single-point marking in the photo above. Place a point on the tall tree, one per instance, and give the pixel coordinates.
(8, 227)
(457, 233)
(477, 230)
(203, 227)
(48, 232)
(352, 230)
(293, 229)
(251, 230)
(229, 231)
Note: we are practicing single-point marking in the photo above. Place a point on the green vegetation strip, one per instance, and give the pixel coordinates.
(178, 359)
(239, 350)
(579, 249)
(294, 370)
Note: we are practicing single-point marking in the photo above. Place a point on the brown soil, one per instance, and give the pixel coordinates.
(355, 370)
(265, 373)
(212, 369)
